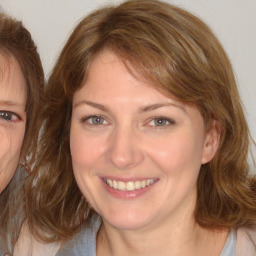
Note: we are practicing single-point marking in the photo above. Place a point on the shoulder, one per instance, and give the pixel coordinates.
(246, 241)
(27, 245)
(84, 242)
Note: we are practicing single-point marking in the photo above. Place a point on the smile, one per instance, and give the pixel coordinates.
(130, 185)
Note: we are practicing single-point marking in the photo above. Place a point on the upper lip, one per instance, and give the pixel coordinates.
(128, 179)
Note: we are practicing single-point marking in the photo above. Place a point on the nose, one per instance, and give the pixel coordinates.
(124, 151)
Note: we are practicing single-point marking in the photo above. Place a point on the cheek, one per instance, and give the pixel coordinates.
(85, 155)
(11, 144)
(182, 151)
(11, 141)
(85, 150)
(5, 143)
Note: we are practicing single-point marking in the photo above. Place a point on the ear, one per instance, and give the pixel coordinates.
(212, 141)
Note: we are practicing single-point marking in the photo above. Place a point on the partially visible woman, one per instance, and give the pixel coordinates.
(145, 146)
(21, 87)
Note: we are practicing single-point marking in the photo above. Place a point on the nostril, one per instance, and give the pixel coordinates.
(124, 157)
(124, 151)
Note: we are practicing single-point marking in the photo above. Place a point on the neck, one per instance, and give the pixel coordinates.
(176, 238)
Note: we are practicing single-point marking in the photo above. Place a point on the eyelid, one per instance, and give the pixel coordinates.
(169, 120)
(86, 118)
(10, 113)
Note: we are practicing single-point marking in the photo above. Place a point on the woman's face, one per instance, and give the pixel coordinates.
(136, 152)
(12, 117)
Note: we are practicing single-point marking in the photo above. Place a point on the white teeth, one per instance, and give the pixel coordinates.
(137, 184)
(110, 183)
(130, 185)
(114, 184)
(121, 185)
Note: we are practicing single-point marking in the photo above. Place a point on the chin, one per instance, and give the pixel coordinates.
(128, 221)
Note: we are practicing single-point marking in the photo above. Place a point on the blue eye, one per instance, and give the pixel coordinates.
(95, 120)
(9, 116)
(161, 121)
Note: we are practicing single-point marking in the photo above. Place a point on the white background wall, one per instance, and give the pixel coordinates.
(234, 21)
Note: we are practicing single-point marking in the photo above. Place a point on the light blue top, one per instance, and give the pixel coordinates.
(229, 248)
(84, 243)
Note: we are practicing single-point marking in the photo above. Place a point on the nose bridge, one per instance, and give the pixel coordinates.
(124, 151)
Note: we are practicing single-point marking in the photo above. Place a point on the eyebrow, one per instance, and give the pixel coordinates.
(160, 105)
(142, 109)
(10, 103)
(92, 104)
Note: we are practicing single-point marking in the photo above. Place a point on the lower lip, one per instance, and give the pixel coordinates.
(127, 194)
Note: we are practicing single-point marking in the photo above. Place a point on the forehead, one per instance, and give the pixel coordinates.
(109, 77)
(108, 65)
(12, 83)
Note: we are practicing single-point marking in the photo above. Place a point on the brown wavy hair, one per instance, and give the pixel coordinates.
(16, 42)
(177, 52)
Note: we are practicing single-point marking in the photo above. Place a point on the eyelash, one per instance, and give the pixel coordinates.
(9, 116)
(88, 120)
(162, 121)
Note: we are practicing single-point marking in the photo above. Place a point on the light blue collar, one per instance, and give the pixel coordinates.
(229, 248)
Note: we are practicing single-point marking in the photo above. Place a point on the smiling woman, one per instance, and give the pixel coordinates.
(145, 145)
(21, 84)
(134, 134)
